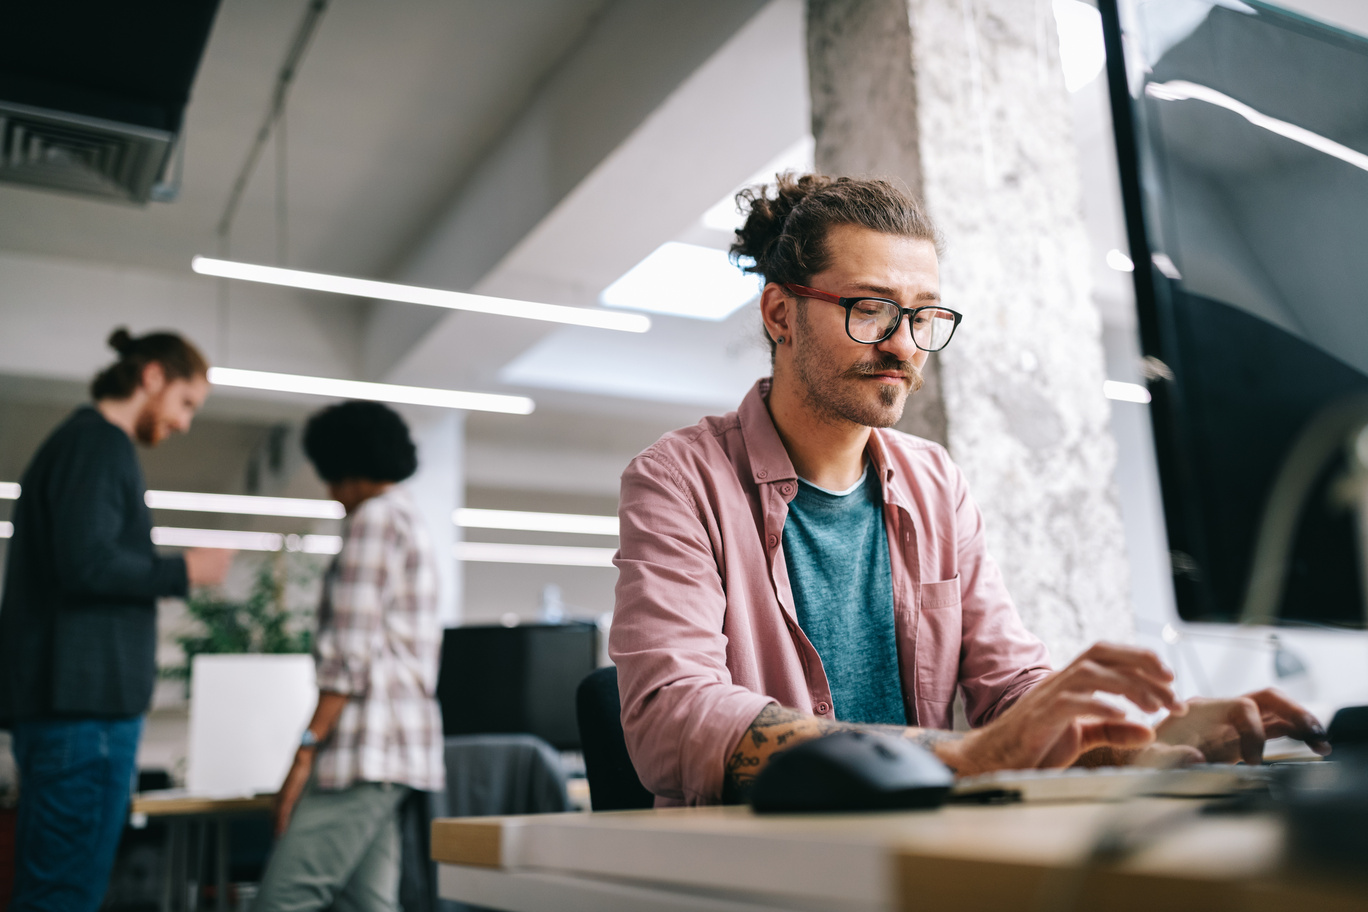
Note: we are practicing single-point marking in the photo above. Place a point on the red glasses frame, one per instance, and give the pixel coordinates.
(804, 292)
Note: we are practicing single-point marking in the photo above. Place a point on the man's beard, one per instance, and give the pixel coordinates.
(147, 427)
(839, 396)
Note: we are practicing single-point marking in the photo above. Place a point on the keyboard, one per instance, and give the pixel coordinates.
(1109, 783)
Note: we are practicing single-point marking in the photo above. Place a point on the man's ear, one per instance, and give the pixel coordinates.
(153, 378)
(779, 312)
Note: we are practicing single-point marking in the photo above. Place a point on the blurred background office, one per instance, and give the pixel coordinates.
(581, 153)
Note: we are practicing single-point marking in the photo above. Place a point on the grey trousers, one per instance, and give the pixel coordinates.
(341, 852)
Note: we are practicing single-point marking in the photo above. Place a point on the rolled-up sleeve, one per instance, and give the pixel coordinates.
(352, 613)
(999, 658)
(681, 712)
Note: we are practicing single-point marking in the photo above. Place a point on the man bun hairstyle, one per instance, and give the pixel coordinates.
(178, 357)
(787, 222)
(365, 440)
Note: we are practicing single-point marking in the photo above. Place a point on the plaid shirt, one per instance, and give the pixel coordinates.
(379, 642)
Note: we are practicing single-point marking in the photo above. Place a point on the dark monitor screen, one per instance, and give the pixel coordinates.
(1242, 138)
(502, 680)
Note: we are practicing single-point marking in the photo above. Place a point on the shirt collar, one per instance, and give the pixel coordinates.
(769, 460)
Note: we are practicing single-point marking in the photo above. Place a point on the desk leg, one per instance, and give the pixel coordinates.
(221, 872)
(173, 885)
(196, 877)
(168, 866)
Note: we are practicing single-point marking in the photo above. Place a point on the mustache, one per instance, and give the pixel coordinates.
(885, 365)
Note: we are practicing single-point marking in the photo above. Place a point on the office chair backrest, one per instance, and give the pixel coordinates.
(613, 782)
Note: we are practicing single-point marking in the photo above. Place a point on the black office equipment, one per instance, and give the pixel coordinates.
(852, 771)
(613, 781)
(1244, 170)
(93, 94)
(503, 680)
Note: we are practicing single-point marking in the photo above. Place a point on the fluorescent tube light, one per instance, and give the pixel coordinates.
(553, 555)
(9, 490)
(574, 523)
(1182, 90)
(6, 529)
(1082, 52)
(376, 392)
(1125, 392)
(685, 280)
(414, 294)
(176, 537)
(305, 508)
(1119, 261)
(173, 537)
(314, 544)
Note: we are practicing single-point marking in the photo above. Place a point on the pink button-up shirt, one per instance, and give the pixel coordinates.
(705, 633)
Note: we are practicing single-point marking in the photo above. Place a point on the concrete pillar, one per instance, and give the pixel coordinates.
(864, 121)
(438, 489)
(975, 89)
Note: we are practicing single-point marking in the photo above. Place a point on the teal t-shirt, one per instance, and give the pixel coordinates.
(836, 549)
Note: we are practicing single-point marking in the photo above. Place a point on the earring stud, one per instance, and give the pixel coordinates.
(780, 340)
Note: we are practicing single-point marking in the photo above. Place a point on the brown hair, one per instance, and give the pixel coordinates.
(785, 234)
(179, 360)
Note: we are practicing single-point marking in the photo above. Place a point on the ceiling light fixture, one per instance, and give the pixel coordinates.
(552, 555)
(573, 523)
(714, 289)
(375, 392)
(414, 294)
(724, 215)
(176, 537)
(1125, 392)
(1182, 90)
(6, 529)
(9, 490)
(1119, 261)
(301, 507)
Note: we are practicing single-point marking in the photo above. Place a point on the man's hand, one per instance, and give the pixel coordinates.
(1225, 731)
(1051, 726)
(208, 566)
(1060, 718)
(291, 789)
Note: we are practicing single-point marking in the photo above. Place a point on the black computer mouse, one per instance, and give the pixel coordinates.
(852, 771)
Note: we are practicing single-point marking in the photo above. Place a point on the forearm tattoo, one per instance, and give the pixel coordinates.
(777, 727)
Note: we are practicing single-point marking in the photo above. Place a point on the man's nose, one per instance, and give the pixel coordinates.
(900, 344)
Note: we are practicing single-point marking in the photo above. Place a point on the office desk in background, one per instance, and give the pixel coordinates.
(189, 819)
(963, 858)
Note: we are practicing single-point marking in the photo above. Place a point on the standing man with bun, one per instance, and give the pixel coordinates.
(78, 618)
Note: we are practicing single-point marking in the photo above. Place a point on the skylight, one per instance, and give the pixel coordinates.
(685, 280)
(722, 215)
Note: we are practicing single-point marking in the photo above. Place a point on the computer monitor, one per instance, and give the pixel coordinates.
(501, 680)
(1242, 140)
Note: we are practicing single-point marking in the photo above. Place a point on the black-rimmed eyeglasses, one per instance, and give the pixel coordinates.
(872, 320)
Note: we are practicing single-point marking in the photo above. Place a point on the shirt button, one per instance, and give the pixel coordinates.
(787, 489)
(772, 540)
(823, 708)
(762, 474)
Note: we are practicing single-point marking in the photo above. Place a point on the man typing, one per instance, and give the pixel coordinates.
(796, 567)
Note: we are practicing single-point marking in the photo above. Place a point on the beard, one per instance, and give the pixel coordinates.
(147, 428)
(843, 395)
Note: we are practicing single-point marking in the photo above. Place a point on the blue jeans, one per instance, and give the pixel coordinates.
(75, 778)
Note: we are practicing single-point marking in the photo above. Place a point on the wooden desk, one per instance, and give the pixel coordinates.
(188, 818)
(1028, 857)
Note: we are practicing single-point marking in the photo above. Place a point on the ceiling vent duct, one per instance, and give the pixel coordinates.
(93, 94)
(85, 155)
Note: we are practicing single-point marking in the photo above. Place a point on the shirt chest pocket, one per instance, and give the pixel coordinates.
(938, 640)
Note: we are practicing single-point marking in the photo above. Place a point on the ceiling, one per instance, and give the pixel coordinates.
(526, 148)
